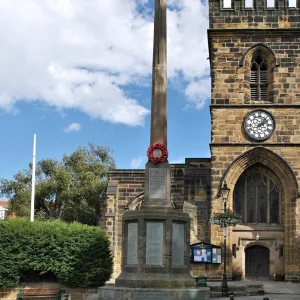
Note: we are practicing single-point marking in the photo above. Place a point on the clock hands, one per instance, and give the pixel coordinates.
(262, 123)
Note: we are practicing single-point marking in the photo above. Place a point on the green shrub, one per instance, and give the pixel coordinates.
(77, 254)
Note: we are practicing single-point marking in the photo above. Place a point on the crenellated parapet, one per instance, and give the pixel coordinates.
(257, 14)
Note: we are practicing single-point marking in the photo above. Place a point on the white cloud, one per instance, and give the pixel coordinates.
(197, 92)
(84, 54)
(137, 162)
(73, 127)
(180, 160)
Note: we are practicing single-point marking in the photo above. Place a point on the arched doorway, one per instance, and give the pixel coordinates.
(257, 263)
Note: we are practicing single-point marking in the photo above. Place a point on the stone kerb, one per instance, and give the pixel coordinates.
(122, 293)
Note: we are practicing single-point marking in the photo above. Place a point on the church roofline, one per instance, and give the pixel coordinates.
(264, 105)
(251, 144)
(230, 30)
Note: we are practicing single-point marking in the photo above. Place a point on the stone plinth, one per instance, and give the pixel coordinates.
(157, 187)
(121, 293)
(155, 249)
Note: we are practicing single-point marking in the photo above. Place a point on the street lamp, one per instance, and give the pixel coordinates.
(224, 194)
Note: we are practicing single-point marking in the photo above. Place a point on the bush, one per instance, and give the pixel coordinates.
(77, 254)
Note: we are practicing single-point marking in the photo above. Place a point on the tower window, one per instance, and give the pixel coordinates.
(248, 3)
(227, 4)
(292, 3)
(256, 199)
(259, 78)
(271, 3)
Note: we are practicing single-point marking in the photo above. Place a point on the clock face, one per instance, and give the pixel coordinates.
(259, 125)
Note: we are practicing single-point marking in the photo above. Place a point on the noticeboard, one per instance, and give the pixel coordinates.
(205, 253)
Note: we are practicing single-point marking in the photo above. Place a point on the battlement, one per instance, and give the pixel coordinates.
(258, 14)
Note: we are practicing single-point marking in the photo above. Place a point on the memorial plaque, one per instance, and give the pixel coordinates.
(154, 243)
(157, 183)
(151, 296)
(112, 295)
(178, 240)
(132, 242)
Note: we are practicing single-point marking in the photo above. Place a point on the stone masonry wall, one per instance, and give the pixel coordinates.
(260, 16)
(227, 126)
(230, 80)
(123, 186)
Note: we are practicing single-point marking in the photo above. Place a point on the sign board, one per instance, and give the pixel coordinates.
(205, 253)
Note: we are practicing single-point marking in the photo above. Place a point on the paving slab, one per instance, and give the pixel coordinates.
(273, 290)
(271, 297)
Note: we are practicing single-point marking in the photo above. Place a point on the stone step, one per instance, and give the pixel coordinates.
(214, 278)
(255, 289)
(40, 297)
(217, 294)
(239, 290)
(236, 288)
(256, 292)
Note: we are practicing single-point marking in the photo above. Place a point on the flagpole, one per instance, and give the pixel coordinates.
(33, 180)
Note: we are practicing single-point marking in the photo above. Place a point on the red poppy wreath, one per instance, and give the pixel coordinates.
(157, 153)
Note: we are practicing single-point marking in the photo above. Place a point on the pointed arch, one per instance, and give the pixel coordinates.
(259, 63)
(263, 48)
(267, 158)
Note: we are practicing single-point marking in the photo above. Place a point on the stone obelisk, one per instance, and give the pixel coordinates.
(158, 182)
(155, 244)
(158, 130)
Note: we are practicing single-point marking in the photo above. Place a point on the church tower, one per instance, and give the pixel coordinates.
(254, 51)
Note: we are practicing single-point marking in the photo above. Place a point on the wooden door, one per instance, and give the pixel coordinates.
(257, 263)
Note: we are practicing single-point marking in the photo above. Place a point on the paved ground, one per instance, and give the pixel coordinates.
(274, 290)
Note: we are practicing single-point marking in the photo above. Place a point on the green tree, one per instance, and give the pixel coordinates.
(69, 189)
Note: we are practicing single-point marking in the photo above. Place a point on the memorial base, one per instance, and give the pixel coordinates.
(148, 280)
(156, 250)
(124, 293)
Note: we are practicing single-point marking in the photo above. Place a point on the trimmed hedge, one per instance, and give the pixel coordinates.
(77, 254)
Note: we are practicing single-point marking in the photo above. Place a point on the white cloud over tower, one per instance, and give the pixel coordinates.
(85, 54)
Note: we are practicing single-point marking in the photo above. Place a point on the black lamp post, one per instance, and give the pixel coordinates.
(224, 194)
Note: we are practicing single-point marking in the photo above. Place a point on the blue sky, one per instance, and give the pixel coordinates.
(79, 71)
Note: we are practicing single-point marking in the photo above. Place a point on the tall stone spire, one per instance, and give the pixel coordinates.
(159, 76)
